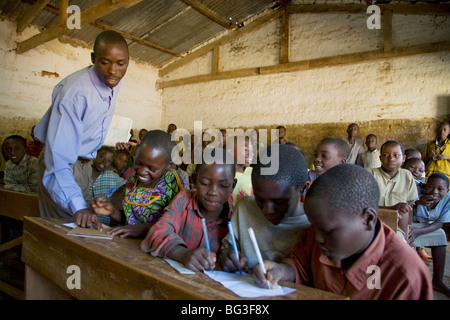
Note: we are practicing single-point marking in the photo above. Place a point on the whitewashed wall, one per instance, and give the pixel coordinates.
(402, 88)
(27, 81)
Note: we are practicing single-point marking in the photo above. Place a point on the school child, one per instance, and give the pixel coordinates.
(243, 157)
(171, 128)
(274, 213)
(371, 158)
(135, 148)
(179, 235)
(147, 192)
(397, 186)
(436, 153)
(348, 250)
(34, 147)
(431, 212)
(281, 135)
(412, 153)
(20, 169)
(417, 168)
(121, 162)
(356, 145)
(329, 152)
(104, 181)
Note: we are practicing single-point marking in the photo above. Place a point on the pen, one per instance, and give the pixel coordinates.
(205, 231)
(258, 253)
(109, 192)
(233, 241)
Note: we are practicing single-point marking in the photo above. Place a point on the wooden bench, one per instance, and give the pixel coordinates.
(16, 205)
(115, 269)
(389, 217)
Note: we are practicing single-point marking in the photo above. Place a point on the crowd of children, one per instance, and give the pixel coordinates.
(313, 226)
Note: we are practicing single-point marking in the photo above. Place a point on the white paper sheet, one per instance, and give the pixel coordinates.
(179, 266)
(119, 131)
(244, 285)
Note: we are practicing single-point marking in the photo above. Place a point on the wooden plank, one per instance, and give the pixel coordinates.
(210, 14)
(248, 72)
(387, 30)
(389, 217)
(31, 14)
(346, 59)
(285, 38)
(63, 5)
(17, 205)
(215, 60)
(136, 39)
(117, 269)
(11, 291)
(397, 8)
(87, 16)
(235, 34)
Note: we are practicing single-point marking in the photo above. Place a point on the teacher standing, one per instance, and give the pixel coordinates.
(75, 127)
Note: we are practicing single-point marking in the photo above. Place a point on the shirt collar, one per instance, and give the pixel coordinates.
(105, 92)
(357, 273)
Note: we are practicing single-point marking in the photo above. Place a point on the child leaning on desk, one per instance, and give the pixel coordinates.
(141, 201)
(274, 213)
(179, 235)
(348, 250)
(431, 212)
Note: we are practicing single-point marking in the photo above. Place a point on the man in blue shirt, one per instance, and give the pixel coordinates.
(75, 127)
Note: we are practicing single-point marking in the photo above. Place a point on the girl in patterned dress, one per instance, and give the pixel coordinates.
(147, 192)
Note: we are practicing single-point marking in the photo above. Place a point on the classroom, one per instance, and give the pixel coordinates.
(312, 67)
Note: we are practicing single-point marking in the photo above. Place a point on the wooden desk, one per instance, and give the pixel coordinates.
(114, 269)
(16, 205)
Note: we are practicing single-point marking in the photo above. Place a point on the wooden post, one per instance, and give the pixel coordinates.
(387, 30)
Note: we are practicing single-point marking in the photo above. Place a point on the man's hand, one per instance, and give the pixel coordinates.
(85, 218)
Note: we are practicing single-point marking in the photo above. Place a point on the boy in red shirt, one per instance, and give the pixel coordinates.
(348, 250)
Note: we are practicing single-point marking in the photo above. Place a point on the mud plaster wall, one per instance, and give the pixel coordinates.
(27, 81)
(399, 99)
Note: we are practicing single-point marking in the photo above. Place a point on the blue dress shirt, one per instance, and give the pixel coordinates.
(74, 126)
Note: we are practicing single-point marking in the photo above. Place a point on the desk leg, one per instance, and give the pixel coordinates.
(38, 287)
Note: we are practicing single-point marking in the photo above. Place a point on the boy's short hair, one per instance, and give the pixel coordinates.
(222, 156)
(439, 175)
(392, 142)
(348, 188)
(411, 160)
(159, 139)
(292, 169)
(15, 136)
(340, 144)
(371, 135)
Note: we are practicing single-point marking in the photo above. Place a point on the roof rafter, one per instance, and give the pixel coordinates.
(211, 14)
(87, 16)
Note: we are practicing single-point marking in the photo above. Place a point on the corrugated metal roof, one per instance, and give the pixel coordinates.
(168, 24)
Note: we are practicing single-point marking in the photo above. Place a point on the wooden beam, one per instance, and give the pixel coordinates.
(215, 60)
(63, 5)
(235, 34)
(31, 14)
(387, 30)
(87, 16)
(346, 59)
(207, 12)
(209, 77)
(285, 38)
(397, 8)
(136, 39)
